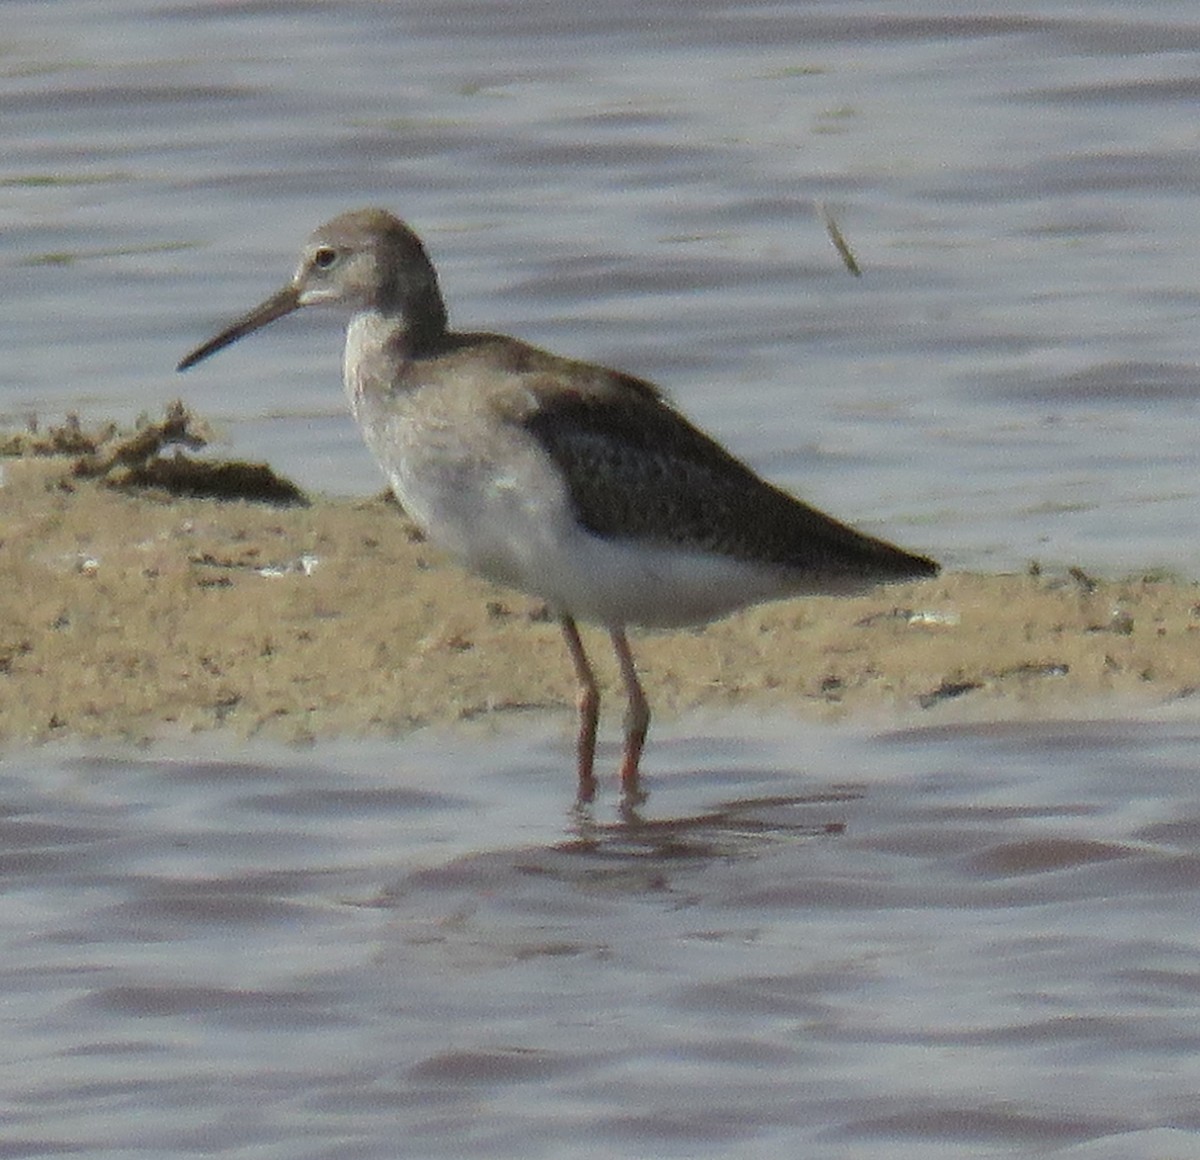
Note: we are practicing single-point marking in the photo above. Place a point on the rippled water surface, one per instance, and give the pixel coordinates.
(968, 941)
(965, 941)
(633, 182)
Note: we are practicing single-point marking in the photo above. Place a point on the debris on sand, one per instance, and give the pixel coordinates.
(136, 460)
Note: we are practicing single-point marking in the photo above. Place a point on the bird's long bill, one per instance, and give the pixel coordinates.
(287, 300)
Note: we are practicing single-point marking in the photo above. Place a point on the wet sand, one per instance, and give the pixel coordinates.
(137, 614)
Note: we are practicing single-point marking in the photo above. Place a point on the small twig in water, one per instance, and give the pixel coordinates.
(839, 241)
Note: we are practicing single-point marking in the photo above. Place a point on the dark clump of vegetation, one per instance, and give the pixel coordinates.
(135, 459)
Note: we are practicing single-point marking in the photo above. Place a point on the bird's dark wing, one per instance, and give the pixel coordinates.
(638, 469)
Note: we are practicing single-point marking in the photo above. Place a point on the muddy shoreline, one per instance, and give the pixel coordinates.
(129, 612)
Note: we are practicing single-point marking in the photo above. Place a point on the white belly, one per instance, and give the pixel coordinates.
(515, 526)
(486, 492)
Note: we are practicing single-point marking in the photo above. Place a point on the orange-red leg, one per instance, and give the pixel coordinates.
(637, 714)
(588, 702)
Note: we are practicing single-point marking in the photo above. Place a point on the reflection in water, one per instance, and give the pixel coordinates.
(725, 830)
(985, 939)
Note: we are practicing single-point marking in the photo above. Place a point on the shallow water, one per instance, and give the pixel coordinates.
(965, 941)
(957, 941)
(1012, 378)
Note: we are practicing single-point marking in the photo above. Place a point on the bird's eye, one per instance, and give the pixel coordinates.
(324, 257)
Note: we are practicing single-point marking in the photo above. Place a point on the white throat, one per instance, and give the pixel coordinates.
(365, 362)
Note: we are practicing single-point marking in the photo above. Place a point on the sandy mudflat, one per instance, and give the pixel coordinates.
(134, 614)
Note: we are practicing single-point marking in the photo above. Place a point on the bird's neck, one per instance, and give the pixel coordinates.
(375, 333)
(380, 344)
